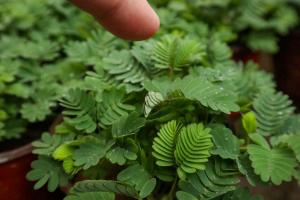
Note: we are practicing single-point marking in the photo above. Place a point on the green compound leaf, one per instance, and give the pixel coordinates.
(79, 110)
(125, 69)
(164, 144)
(38, 111)
(116, 187)
(133, 182)
(127, 125)
(272, 110)
(90, 153)
(193, 148)
(226, 145)
(139, 178)
(176, 53)
(291, 125)
(47, 170)
(120, 155)
(198, 89)
(275, 165)
(112, 108)
(292, 141)
(91, 196)
(48, 143)
(218, 178)
(151, 100)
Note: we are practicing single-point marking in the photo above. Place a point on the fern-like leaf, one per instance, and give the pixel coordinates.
(218, 178)
(151, 100)
(272, 110)
(116, 187)
(125, 69)
(79, 108)
(133, 182)
(164, 144)
(198, 89)
(174, 53)
(193, 148)
(112, 108)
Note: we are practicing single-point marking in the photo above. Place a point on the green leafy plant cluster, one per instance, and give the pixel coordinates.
(254, 23)
(34, 68)
(169, 118)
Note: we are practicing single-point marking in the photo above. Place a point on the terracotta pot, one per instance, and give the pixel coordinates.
(14, 165)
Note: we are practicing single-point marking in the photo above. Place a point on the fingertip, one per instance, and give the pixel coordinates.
(131, 20)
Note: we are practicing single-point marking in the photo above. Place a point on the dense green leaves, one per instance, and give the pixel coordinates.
(206, 118)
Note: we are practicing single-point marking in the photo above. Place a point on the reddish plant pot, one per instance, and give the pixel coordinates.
(14, 165)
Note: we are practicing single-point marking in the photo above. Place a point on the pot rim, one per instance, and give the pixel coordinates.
(16, 153)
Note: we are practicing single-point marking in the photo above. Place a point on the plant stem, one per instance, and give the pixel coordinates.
(172, 191)
(171, 73)
(243, 148)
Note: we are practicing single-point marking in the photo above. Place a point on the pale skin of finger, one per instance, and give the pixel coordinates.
(128, 19)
